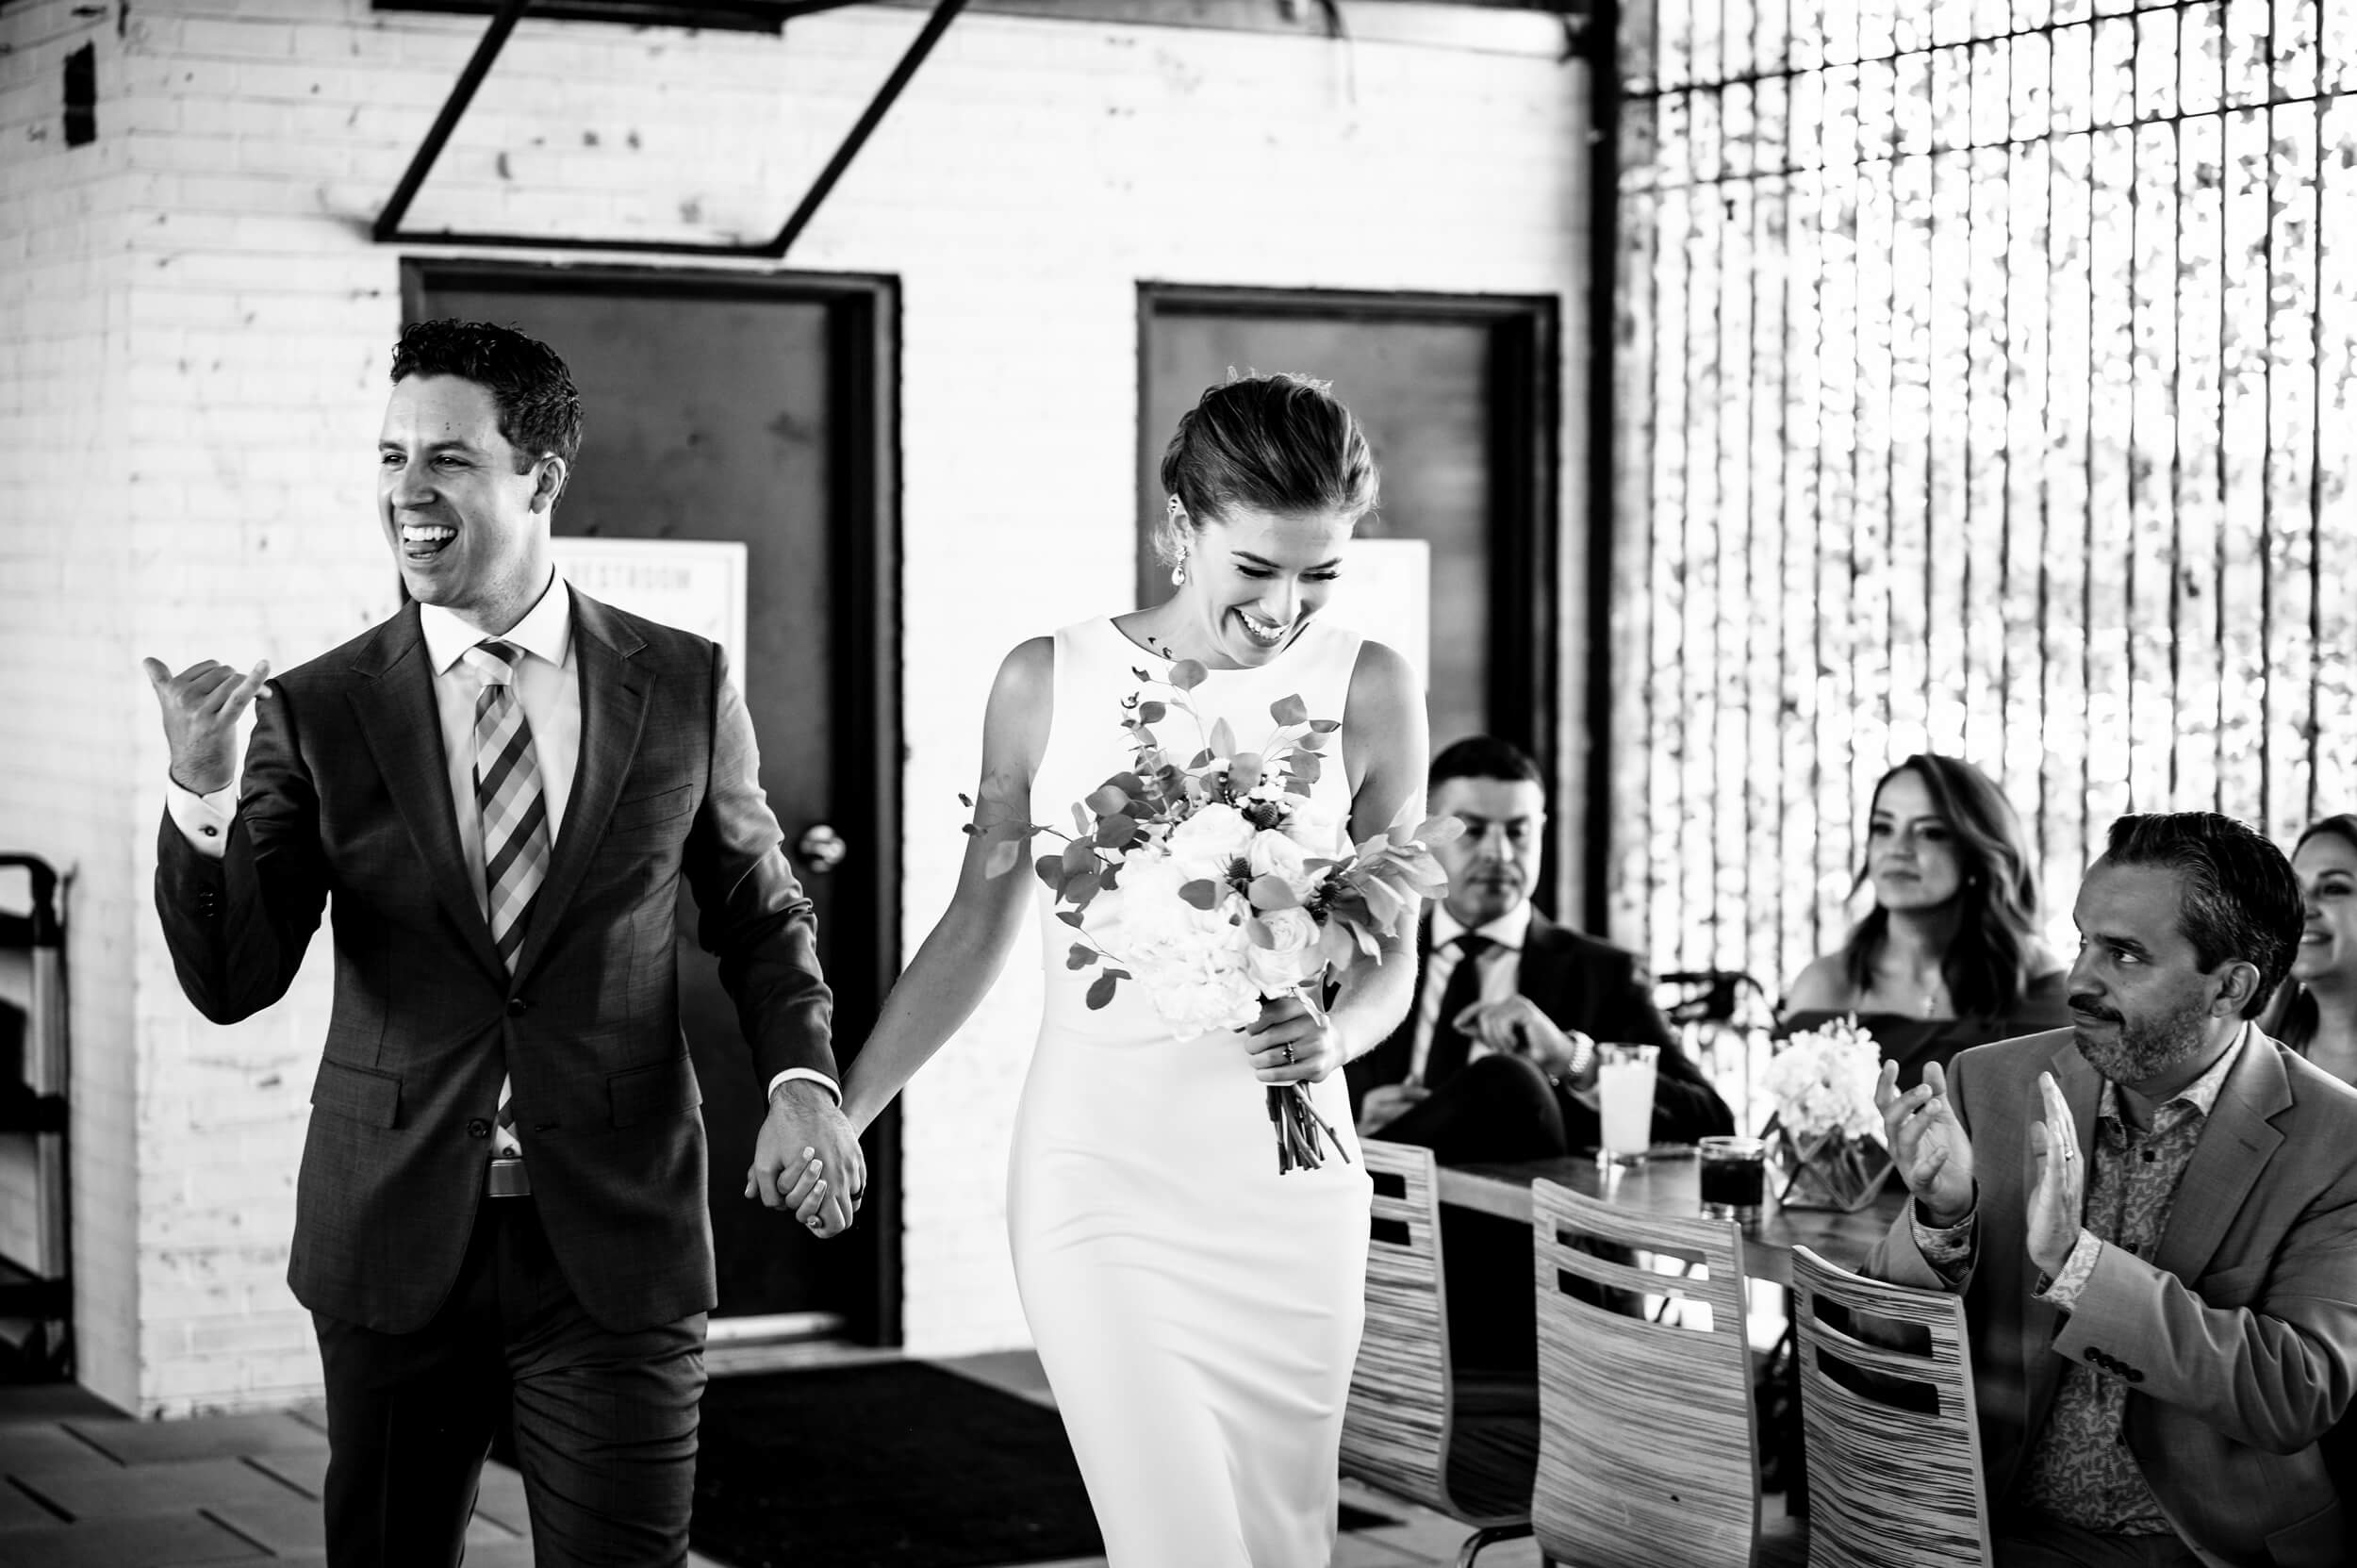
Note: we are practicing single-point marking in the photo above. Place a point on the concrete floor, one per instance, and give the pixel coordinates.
(86, 1487)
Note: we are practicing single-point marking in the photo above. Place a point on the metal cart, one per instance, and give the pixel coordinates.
(36, 1230)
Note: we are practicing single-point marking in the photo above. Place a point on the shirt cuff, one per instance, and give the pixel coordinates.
(1948, 1249)
(2063, 1291)
(202, 819)
(808, 1075)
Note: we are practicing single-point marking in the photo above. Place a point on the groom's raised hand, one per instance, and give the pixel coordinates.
(807, 1159)
(201, 706)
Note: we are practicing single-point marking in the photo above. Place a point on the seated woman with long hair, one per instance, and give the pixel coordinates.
(1948, 956)
(2317, 1014)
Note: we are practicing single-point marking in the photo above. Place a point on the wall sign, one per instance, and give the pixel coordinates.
(695, 585)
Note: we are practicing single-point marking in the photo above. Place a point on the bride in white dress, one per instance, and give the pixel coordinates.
(1197, 1313)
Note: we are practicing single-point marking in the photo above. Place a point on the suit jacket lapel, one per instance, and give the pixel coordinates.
(1540, 973)
(2237, 1141)
(394, 702)
(613, 713)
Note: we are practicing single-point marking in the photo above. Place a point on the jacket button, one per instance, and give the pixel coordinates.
(2132, 1373)
(518, 1007)
(478, 1127)
(2094, 1355)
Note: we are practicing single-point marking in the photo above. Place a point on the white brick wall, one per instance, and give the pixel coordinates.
(196, 381)
(68, 756)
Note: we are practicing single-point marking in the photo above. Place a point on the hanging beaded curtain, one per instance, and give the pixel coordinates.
(1984, 388)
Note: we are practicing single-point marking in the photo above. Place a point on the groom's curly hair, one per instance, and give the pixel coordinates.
(539, 410)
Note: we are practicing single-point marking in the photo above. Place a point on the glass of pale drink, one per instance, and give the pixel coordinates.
(1624, 1080)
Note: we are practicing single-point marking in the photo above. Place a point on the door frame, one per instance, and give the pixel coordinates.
(1527, 564)
(864, 374)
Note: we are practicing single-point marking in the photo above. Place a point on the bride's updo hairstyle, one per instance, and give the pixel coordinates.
(1274, 444)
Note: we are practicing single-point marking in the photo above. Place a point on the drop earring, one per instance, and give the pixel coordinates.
(1179, 573)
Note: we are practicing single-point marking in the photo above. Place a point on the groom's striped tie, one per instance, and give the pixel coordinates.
(515, 823)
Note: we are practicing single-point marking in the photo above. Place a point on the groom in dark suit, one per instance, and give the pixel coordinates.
(502, 1194)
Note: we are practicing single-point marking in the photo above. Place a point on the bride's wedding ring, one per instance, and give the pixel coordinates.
(1289, 1054)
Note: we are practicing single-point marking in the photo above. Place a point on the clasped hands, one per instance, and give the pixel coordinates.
(1935, 1159)
(1513, 1026)
(807, 1159)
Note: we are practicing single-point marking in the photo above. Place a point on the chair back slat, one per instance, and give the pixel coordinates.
(1647, 1450)
(1395, 1430)
(1892, 1482)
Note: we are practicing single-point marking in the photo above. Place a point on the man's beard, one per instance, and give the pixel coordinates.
(2140, 1049)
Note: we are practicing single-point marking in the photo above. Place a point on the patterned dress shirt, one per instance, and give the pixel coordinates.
(2080, 1470)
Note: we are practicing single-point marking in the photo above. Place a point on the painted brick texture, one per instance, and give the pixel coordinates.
(192, 381)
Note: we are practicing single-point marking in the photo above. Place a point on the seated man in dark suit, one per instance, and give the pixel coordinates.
(1497, 1061)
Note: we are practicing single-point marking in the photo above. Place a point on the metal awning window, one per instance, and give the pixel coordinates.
(744, 16)
(673, 13)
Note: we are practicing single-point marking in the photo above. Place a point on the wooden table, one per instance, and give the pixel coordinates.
(1674, 1186)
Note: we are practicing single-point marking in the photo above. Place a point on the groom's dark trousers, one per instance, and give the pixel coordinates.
(435, 1303)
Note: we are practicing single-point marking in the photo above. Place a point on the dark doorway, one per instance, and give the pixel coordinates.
(1458, 397)
(759, 411)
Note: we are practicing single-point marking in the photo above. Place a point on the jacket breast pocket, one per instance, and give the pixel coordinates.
(666, 1088)
(645, 811)
(358, 1093)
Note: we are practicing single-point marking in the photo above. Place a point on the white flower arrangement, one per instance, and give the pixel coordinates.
(1217, 881)
(1822, 1081)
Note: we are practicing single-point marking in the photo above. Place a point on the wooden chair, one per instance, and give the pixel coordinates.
(1648, 1452)
(1413, 1428)
(1894, 1445)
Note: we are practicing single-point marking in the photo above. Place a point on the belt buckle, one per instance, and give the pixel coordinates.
(508, 1178)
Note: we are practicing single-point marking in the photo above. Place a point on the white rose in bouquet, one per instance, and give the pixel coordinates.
(1204, 990)
(1143, 911)
(1284, 951)
(1275, 853)
(1211, 841)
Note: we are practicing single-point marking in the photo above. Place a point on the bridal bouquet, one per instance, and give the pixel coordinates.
(1213, 879)
(1821, 1083)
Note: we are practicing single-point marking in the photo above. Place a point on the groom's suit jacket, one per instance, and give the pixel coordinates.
(2238, 1337)
(346, 804)
(1598, 989)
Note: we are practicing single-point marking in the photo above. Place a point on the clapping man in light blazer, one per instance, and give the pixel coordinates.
(2153, 1220)
(493, 796)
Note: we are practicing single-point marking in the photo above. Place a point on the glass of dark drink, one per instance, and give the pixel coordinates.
(1734, 1178)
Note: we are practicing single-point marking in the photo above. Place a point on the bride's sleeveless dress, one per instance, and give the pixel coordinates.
(1197, 1313)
